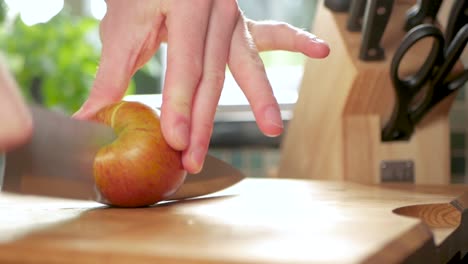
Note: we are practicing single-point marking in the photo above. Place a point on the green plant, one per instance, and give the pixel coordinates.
(54, 62)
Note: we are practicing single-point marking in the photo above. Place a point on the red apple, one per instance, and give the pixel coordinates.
(139, 168)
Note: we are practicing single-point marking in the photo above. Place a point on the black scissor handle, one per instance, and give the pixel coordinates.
(440, 85)
(400, 126)
(415, 82)
(423, 11)
(452, 55)
(457, 18)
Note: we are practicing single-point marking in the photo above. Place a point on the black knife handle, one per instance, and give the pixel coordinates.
(338, 5)
(425, 11)
(375, 21)
(356, 12)
(457, 19)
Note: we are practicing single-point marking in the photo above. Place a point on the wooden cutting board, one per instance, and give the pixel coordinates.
(256, 221)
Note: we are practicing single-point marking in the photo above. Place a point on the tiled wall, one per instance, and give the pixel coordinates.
(258, 162)
(458, 138)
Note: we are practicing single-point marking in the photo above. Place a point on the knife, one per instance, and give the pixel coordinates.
(58, 161)
(376, 17)
(337, 5)
(425, 11)
(356, 12)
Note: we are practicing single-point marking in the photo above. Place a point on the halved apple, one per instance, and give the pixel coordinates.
(139, 168)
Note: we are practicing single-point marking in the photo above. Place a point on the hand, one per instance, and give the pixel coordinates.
(16, 121)
(203, 36)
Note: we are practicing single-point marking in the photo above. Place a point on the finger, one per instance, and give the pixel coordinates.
(16, 121)
(282, 36)
(125, 49)
(187, 22)
(112, 79)
(249, 72)
(221, 26)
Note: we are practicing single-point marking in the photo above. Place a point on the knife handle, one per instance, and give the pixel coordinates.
(458, 17)
(425, 11)
(356, 12)
(375, 21)
(338, 5)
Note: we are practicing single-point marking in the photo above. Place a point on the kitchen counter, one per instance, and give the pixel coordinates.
(255, 221)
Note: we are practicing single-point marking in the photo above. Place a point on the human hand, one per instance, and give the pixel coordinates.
(15, 120)
(203, 36)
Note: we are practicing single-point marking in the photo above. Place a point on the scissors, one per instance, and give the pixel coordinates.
(432, 76)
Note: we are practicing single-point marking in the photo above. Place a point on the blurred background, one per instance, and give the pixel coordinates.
(53, 47)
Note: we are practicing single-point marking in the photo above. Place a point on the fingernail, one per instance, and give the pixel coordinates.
(319, 41)
(315, 39)
(181, 134)
(273, 116)
(197, 157)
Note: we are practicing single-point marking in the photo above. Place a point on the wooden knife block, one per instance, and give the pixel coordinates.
(343, 104)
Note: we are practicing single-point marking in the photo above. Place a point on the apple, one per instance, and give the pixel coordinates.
(138, 168)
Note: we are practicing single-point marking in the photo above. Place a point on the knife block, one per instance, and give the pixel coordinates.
(343, 103)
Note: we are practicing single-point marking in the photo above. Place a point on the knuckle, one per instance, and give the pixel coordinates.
(282, 26)
(182, 105)
(178, 103)
(215, 78)
(255, 61)
(250, 57)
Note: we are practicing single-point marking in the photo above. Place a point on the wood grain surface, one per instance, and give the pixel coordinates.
(255, 221)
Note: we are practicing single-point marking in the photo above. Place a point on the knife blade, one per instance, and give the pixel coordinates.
(337, 5)
(424, 11)
(58, 162)
(216, 175)
(375, 21)
(60, 150)
(356, 13)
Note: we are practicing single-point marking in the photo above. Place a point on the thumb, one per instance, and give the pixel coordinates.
(112, 80)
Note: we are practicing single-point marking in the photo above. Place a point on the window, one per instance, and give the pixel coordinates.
(284, 68)
(33, 12)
